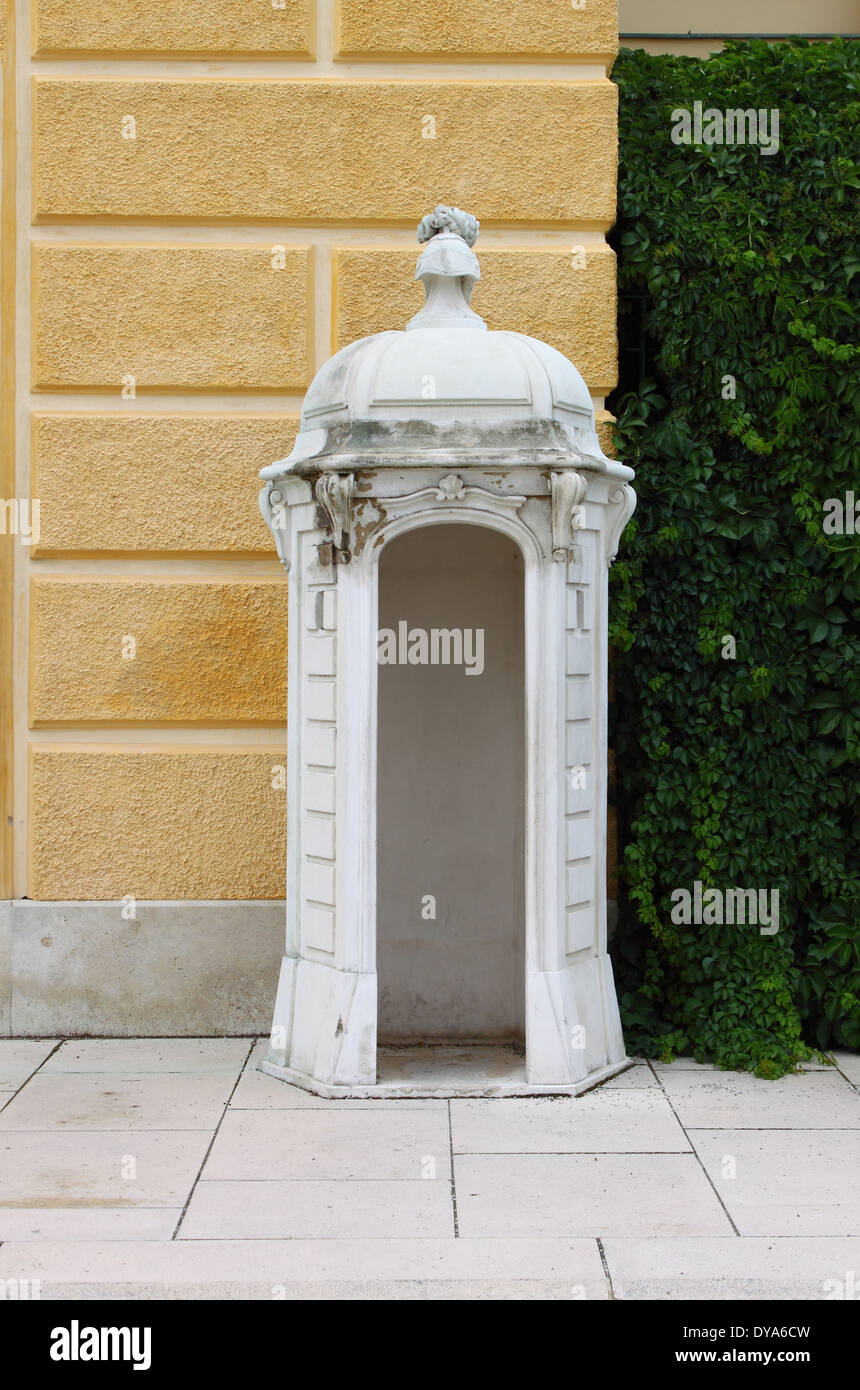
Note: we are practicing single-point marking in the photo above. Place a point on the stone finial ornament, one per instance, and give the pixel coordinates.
(448, 269)
(445, 219)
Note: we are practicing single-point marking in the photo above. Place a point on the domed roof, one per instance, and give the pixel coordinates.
(445, 382)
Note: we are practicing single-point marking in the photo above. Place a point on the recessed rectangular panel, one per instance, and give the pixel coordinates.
(318, 927)
(579, 742)
(579, 654)
(318, 837)
(580, 929)
(318, 882)
(579, 793)
(319, 745)
(579, 837)
(578, 704)
(319, 699)
(579, 883)
(320, 656)
(319, 790)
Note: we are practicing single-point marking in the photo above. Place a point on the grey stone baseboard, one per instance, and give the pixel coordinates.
(73, 969)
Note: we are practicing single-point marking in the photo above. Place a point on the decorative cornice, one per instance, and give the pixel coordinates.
(452, 488)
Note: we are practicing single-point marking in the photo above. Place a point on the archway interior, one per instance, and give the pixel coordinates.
(451, 787)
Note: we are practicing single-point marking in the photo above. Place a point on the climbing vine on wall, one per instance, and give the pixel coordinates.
(735, 596)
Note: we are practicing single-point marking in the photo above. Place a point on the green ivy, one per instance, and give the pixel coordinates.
(740, 773)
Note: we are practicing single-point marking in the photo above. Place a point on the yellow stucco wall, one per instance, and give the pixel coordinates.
(156, 822)
(87, 505)
(131, 650)
(216, 197)
(186, 318)
(170, 28)
(480, 29)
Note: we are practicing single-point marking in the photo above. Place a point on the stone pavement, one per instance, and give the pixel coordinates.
(173, 1168)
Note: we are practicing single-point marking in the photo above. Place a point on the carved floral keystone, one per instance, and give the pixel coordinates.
(451, 488)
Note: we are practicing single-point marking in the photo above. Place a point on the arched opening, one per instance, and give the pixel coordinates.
(451, 788)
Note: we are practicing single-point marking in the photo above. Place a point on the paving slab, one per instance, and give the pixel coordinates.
(304, 1198)
(88, 1223)
(284, 1269)
(585, 1194)
(601, 1121)
(70, 1169)
(111, 1100)
(739, 1100)
(787, 1182)
(307, 1144)
(257, 1091)
(727, 1268)
(259, 1050)
(139, 1055)
(849, 1064)
(634, 1077)
(311, 1209)
(19, 1058)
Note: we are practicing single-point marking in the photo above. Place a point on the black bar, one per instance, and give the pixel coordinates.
(263, 1336)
